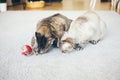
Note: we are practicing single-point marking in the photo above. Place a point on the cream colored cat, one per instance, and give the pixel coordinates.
(86, 28)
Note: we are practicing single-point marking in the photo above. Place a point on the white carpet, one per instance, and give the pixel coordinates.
(95, 62)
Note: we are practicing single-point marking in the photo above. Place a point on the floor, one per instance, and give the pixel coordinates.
(94, 62)
(68, 5)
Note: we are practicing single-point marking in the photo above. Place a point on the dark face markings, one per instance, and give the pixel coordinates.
(43, 42)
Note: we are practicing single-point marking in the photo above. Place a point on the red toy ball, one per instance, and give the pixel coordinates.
(27, 50)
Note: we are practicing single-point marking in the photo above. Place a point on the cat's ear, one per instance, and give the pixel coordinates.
(37, 34)
(62, 42)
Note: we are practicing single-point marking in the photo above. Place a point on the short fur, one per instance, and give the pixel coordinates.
(49, 31)
(68, 45)
(86, 28)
